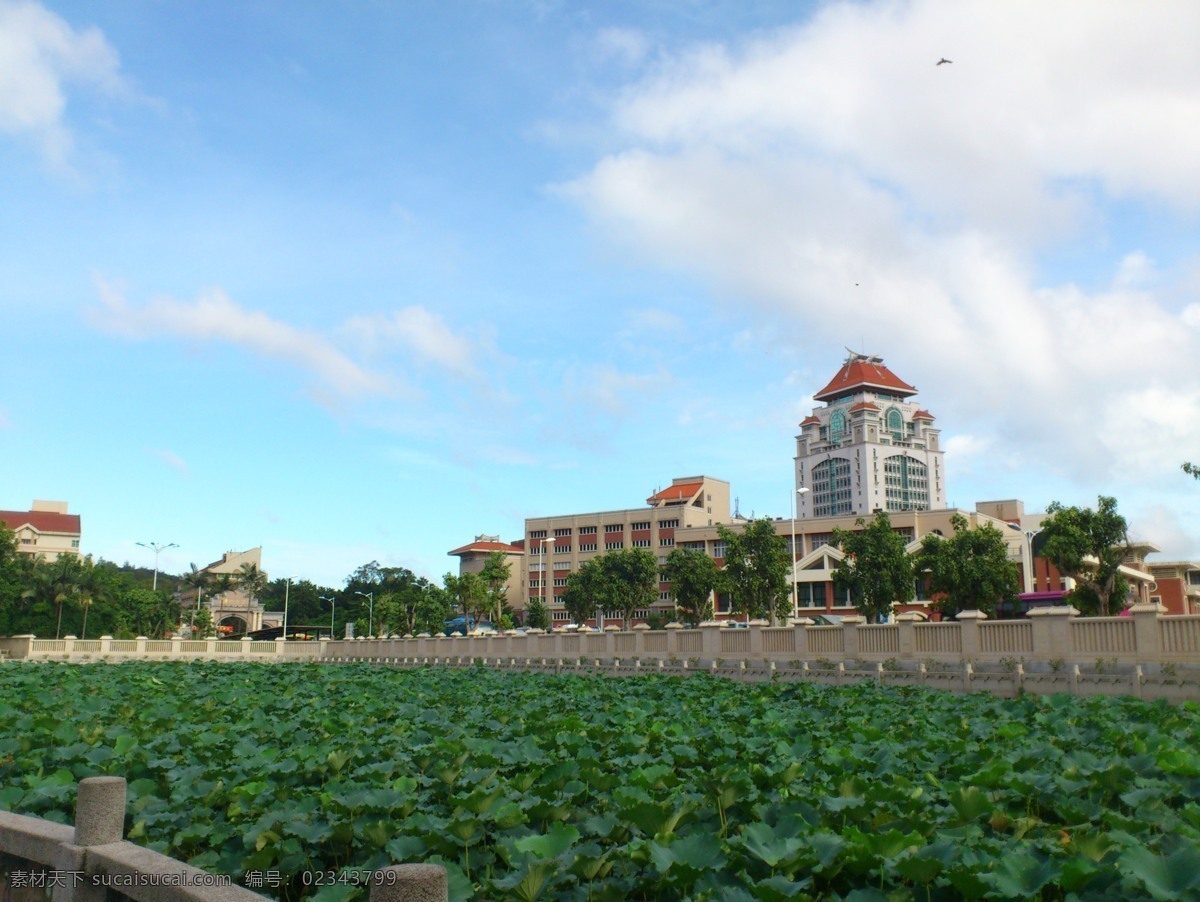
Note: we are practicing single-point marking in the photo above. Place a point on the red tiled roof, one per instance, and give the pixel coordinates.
(488, 547)
(676, 492)
(923, 415)
(864, 372)
(863, 405)
(42, 521)
(810, 421)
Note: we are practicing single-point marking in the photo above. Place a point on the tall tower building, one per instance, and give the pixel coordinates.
(869, 448)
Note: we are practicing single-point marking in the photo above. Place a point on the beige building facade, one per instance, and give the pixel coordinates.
(233, 611)
(46, 529)
(558, 546)
(473, 557)
(870, 447)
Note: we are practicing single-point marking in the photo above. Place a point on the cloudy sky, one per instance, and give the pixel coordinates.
(362, 280)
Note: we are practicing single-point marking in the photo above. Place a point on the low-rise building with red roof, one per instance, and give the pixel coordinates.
(46, 529)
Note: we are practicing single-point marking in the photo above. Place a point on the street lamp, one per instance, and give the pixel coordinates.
(156, 548)
(1028, 553)
(332, 599)
(370, 596)
(286, 592)
(545, 576)
(795, 503)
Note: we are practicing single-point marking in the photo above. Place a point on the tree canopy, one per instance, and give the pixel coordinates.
(693, 576)
(1088, 546)
(970, 570)
(877, 569)
(756, 569)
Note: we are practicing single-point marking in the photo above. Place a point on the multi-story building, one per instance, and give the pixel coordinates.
(869, 448)
(1176, 585)
(233, 611)
(558, 546)
(473, 557)
(46, 529)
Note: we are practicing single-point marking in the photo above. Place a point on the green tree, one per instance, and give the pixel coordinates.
(1088, 546)
(756, 569)
(1192, 470)
(432, 610)
(969, 571)
(495, 573)
(54, 584)
(693, 576)
(198, 581)
(630, 581)
(537, 616)
(250, 580)
(586, 592)
(468, 592)
(203, 625)
(877, 570)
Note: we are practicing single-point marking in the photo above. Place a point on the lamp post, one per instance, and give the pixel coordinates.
(545, 576)
(795, 504)
(287, 591)
(370, 596)
(1028, 553)
(332, 599)
(156, 548)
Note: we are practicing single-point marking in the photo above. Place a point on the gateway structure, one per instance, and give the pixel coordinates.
(871, 447)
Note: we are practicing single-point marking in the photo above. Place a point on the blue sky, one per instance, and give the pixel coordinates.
(361, 280)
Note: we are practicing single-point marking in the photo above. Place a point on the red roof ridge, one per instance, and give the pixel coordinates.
(861, 371)
(675, 492)
(864, 405)
(42, 521)
(923, 415)
(810, 420)
(487, 546)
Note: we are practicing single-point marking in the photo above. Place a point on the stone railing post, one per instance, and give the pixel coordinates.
(280, 644)
(22, 645)
(210, 647)
(906, 623)
(410, 883)
(100, 811)
(639, 638)
(673, 629)
(68, 645)
(801, 629)
(850, 636)
(968, 631)
(323, 646)
(756, 638)
(246, 640)
(141, 645)
(710, 641)
(105, 644)
(176, 645)
(1052, 633)
(1147, 632)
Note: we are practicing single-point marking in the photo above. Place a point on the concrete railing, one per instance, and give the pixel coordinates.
(91, 862)
(1048, 636)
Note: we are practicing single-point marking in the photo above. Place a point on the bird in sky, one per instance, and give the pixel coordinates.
(943, 61)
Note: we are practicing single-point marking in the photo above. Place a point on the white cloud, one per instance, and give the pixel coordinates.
(625, 45)
(174, 461)
(420, 332)
(213, 316)
(40, 55)
(832, 176)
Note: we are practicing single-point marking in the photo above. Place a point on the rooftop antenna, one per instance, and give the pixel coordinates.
(737, 513)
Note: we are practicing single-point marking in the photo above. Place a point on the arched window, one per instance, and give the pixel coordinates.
(894, 423)
(837, 425)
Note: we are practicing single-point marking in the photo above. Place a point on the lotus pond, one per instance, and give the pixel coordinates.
(577, 787)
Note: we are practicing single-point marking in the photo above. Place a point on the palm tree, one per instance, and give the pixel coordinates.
(198, 580)
(251, 580)
(56, 582)
(90, 588)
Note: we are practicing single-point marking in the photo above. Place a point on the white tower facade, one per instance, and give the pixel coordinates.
(871, 447)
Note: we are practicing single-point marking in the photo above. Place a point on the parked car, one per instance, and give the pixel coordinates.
(484, 628)
(460, 626)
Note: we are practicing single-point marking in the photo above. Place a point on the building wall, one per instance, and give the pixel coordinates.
(577, 538)
(46, 529)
